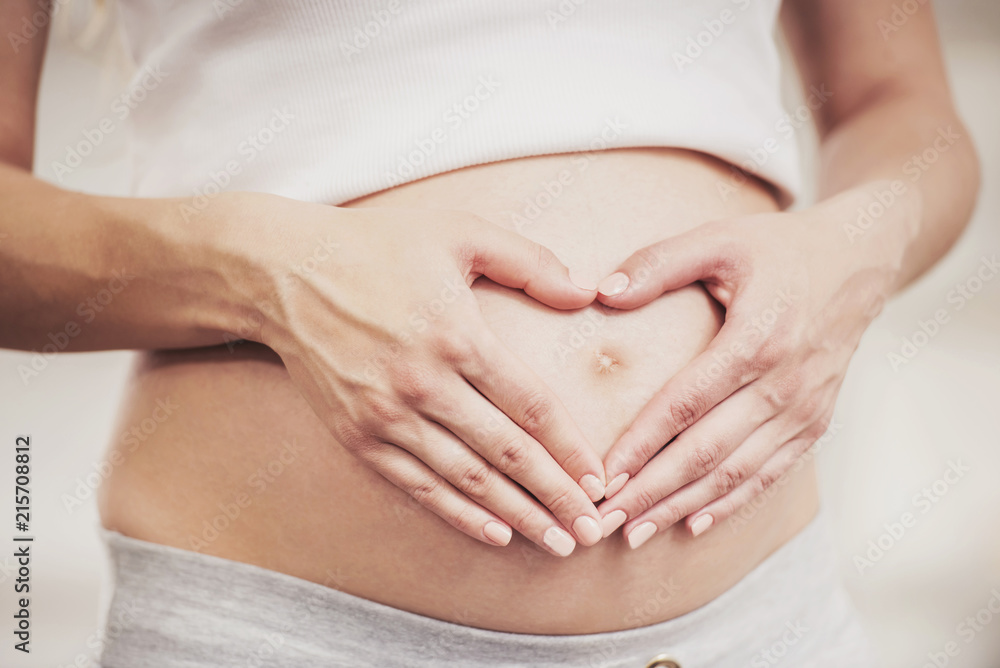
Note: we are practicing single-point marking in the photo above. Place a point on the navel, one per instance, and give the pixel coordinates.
(605, 362)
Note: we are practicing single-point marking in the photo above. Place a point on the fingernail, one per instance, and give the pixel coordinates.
(700, 525)
(497, 533)
(613, 520)
(559, 541)
(582, 280)
(616, 485)
(592, 486)
(641, 534)
(587, 530)
(614, 284)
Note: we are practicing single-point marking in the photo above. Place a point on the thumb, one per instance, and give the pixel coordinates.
(509, 259)
(666, 265)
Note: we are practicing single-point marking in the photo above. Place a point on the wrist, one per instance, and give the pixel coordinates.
(206, 271)
(874, 225)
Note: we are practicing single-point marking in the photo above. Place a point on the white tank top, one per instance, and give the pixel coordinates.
(328, 101)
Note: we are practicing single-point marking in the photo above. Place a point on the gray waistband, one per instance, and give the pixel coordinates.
(172, 607)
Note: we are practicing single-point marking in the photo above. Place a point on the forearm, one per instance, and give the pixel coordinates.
(81, 272)
(917, 141)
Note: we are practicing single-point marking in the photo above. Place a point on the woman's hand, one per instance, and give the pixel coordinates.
(372, 313)
(799, 290)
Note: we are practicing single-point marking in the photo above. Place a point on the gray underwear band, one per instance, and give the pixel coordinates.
(175, 608)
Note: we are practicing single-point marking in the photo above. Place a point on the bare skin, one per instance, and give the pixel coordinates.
(518, 462)
(320, 515)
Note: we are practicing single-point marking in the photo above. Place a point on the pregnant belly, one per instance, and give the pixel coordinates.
(242, 469)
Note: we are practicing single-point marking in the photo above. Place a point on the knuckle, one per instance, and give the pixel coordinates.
(574, 460)
(646, 450)
(475, 481)
(382, 412)
(425, 492)
(728, 477)
(536, 411)
(770, 352)
(763, 480)
(646, 498)
(512, 457)
(775, 396)
(413, 383)
(723, 508)
(685, 411)
(546, 259)
(523, 518)
(349, 434)
(669, 513)
(465, 518)
(454, 346)
(649, 257)
(811, 435)
(704, 458)
(562, 503)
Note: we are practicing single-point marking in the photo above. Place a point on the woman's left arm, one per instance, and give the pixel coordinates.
(898, 181)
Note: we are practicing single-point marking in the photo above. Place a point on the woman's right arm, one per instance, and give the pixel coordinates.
(370, 310)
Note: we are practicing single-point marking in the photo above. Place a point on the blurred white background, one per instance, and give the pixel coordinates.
(901, 428)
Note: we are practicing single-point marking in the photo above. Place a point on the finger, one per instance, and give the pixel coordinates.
(514, 388)
(723, 479)
(701, 253)
(431, 491)
(488, 431)
(509, 259)
(701, 385)
(695, 454)
(771, 473)
(483, 484)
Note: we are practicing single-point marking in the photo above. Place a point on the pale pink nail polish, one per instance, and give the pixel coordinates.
(701, 525)
(613, 520)
(616, 485)
(559, 541)
(587, 530)
(498, 533)
(592, 486)
(615, 284)
(641, 534)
